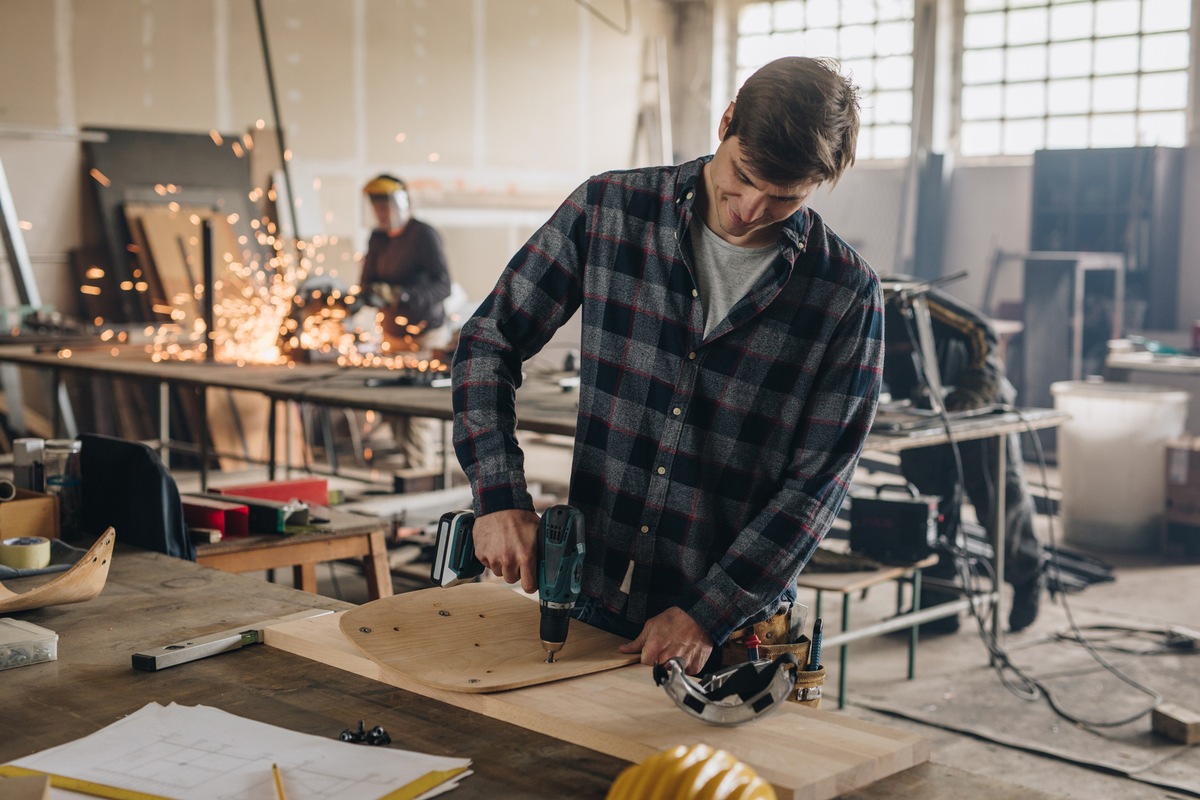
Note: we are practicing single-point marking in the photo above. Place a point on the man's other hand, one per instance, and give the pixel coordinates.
(506, 543)
(672, 633)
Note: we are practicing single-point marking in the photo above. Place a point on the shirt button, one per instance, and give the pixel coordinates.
(662, 470)
(692, 356)
(695, 293)
(645, 529)
(676, 411)
(690, 195)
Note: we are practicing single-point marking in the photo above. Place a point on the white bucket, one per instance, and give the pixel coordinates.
(1112, 458)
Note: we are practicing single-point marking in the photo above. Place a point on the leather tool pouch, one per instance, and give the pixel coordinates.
(809, 684)
(773, 642)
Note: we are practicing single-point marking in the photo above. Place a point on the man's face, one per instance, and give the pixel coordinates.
(391, 210)
(742, 207)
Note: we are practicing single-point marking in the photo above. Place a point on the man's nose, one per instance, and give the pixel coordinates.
(755, 205)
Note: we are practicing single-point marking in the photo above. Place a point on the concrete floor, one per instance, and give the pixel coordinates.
(1147, 590)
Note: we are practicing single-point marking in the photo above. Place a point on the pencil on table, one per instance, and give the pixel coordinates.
(278, 782)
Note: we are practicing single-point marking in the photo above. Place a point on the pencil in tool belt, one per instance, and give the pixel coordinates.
(814, 658)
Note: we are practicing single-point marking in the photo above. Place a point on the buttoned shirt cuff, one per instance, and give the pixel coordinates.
(720, 606)
(501, 497)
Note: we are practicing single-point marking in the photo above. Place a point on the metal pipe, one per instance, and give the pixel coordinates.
(283, 157)
(939, 611)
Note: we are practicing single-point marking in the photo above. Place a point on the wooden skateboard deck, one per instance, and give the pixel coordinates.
(79, 584)
(474, 637)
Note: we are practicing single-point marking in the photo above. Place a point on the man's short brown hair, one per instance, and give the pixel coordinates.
(797, 120)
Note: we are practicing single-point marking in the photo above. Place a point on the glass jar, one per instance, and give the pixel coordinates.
(64, 478)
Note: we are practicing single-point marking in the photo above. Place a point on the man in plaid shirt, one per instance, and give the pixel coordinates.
(730, 368)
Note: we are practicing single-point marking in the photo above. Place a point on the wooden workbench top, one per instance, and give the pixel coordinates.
(151, 600)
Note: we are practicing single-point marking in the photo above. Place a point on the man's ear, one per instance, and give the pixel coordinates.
(726, 118)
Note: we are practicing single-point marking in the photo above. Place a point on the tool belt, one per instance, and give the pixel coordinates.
(773, 636)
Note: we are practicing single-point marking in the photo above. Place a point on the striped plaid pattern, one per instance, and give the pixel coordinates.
(715, 465)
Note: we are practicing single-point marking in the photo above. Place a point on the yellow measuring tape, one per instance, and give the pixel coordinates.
(79, 785)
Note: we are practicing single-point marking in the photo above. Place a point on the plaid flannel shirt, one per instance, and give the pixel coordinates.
(711, 467)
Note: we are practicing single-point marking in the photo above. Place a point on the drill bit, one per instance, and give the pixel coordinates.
(550, 658)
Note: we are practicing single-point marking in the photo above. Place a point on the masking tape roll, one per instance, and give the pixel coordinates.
(25, 552)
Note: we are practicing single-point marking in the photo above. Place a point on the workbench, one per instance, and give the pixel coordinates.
(318, 384)
(151, 600)
(344, 536)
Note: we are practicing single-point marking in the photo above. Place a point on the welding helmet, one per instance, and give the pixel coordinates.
(698, 772)
(388, 199)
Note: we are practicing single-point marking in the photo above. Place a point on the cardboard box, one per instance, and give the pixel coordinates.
(1183, 478)
(30, 514)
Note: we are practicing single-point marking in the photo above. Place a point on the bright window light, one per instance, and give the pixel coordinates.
(873, 40)
(1072, 74)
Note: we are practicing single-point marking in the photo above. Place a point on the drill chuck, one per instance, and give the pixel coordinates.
(553, 628)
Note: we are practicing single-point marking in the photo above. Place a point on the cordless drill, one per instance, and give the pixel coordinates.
(560, 552)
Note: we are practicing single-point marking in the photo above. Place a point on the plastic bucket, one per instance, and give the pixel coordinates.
(1112, 459)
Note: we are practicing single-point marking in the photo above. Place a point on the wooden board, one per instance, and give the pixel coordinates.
(474, 637)
(79, 584)
(805, 753)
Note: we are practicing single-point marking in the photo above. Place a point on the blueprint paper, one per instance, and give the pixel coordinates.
(203, 753)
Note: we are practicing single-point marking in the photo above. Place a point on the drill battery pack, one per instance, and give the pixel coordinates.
(900, 528)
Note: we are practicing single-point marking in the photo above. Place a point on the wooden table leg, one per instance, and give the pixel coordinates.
(305, 577)
(375, 565)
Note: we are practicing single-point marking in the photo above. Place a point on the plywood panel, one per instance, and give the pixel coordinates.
(805, 753)
(312, 53)
(420, 63)
(144, 64)
(29, 91)
(475, 637)
(532, 93)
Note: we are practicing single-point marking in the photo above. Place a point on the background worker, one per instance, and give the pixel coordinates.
(973, 374)
(730, 368)
(405, 276)
(404, 272)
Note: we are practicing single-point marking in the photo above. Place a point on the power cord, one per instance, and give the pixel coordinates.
(1016, 680)
(1030, 687)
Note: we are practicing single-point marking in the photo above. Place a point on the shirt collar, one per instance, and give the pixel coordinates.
(793, 236)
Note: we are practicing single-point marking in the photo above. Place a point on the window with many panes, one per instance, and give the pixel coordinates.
(1043, 74)
(873, 40)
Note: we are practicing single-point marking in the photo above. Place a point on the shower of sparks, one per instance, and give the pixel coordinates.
(259, 314)
(259, 317)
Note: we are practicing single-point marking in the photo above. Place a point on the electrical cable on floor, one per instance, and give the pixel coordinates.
(1020, 683)
(1032, 688)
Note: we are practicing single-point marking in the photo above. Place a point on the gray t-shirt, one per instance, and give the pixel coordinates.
(726, 272)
